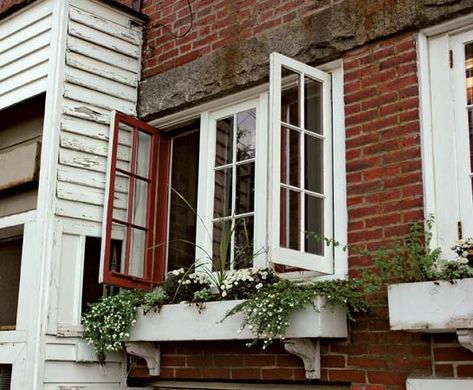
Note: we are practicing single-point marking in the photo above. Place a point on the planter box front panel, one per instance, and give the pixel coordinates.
(183, 322)
(431, 306)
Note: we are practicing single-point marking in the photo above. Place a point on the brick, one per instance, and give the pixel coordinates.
(173, 360)
(444, 370)
(347, 375)
(333, 361)
(260, 360)
(277, 373)
(216, 373)
(386, 378)
(228, 360)
(452, 354)
(362, 362)
(245, 373)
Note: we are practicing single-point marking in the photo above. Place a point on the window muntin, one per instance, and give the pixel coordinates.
(302, 209)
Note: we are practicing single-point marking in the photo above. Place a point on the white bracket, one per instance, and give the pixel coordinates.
(309, 351)
(465, 338)
(151, 352)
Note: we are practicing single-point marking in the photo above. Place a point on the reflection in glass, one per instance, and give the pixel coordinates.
(314, 225)
(143, 151)
(224, 144)
(245, 188)
(313, 164)
(243, 254)
(221, 245)
(223, 193)
(290, 211)
(138, 247)
(140, 200)
(125, 136)
(290, 152)
(290, 103)
(469, 72)
(313, 105)
(246, 126)
(118, 248)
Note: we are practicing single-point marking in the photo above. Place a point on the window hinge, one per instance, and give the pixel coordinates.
(450, 58)
(460, 230)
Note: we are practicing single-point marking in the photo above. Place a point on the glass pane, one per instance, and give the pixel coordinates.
(290, 101)
(117, 254)
(313, 105)
(245, 188)
(314, 225)
(223, 193)
(290, 160)
(140, 203)
(470, 133)
(313, 164)
(221, 245)
(125, 136)
(137, 252)
(224, 144)
(246, 128)
(143, 154)
(469, 72)
(290, 219)
(182, 218)
(243, 253)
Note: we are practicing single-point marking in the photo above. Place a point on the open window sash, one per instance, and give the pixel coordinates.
(130, 257)
(301, 205)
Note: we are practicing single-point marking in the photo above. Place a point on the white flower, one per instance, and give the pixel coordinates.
(259, 285)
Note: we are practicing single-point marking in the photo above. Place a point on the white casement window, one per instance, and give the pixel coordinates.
(301, 175)
(447, 112)
(250, 180)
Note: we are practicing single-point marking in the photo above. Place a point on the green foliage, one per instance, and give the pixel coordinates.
(109, 321)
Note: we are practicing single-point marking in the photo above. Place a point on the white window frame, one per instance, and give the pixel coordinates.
(207, 159)
(299, 258)
(444, 147)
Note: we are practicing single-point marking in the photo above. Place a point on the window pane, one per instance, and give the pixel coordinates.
(125, 136)
(182, 217)
(290, 157)
(290, 102)
(140, 201)
(245, 188)
(118, 248)
(10, 265)
(246, 127)
(243, 253)
(313, 164)
(224, 144)
(314, 225)
(469, 72)
(313, 105)
(290, 219)
(223, 193)
(221, 245)
(470, 133)
(137, 252)
(143, 148)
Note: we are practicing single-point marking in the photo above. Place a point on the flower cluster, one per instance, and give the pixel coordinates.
(243, 283)
(182, 285)
(464, 250)
(108, 322)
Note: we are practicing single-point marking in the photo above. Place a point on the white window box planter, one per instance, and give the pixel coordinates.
(438, 306)
(183, 322)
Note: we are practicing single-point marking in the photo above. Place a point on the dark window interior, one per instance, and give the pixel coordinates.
(92, 290)
(5, 376)
(183, 196)
(10, 265)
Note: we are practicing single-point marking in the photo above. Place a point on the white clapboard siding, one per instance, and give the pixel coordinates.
(101, 74)
(100, 53)
(86, 111)
(24, 53)
(68, 372)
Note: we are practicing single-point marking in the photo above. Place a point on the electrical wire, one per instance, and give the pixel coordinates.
(171, 32)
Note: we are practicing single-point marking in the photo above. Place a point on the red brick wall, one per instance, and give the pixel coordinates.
(217, 23)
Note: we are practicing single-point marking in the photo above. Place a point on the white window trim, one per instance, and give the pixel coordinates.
(335, 68)
(444, 230)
